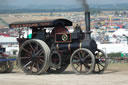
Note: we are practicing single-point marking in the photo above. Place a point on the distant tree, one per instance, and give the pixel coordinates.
(114, 54)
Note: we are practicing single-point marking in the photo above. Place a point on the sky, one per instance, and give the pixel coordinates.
(56, 2)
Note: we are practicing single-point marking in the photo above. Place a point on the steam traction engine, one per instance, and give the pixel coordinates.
(6, 66)
(51, 48)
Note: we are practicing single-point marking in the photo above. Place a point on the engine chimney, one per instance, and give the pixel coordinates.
(87, 21)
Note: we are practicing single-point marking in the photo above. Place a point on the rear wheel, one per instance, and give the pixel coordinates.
(82, 61)
(101, 61)
(34, 57)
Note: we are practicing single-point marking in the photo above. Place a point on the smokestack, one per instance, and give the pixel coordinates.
(87, 21)
(87, 18)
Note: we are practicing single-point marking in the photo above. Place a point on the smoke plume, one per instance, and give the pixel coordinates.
(84, 4)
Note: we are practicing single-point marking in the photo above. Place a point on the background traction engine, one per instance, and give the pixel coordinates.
(6, 66)
(54, 50)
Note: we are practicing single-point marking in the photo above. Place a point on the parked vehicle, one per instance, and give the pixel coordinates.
(6, 66)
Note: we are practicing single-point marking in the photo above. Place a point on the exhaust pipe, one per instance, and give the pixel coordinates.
(87, 21)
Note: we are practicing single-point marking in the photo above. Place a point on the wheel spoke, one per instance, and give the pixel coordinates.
(31, 67)
(82, 54)
(76, 57)
(86, 66)
(26, 51)
(31, 47)
(37, 66)
(75, 61)
(81, 68)
(36, 48)
(94, 67)
(101, 65)
(27, 64)
(41, 53)
(25, 57)
(86, 57)
(27, 54)
(40, 61)
(78, 65)
(38, 52)
(79, 55)
(40, 57)
(98, 67)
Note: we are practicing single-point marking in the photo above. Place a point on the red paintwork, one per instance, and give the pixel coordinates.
(59, 29)
(6, 35)
(4, 55)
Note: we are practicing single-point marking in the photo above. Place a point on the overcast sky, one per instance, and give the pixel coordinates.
(56, 2)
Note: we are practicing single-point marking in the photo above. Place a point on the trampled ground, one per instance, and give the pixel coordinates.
(116, 74)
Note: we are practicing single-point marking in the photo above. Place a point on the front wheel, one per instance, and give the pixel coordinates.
(82, 61)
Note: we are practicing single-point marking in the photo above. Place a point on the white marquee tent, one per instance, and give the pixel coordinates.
(121, 32)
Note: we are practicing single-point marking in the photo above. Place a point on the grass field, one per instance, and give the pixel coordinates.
(119, 67)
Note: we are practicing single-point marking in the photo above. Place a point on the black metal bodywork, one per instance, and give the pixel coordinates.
(59, 47)
(75, 40)
(80, 39)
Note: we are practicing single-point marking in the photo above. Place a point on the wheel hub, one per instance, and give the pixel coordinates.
(33, 57)
(82, 61)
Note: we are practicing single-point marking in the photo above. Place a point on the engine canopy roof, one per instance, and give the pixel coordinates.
(41, 23)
